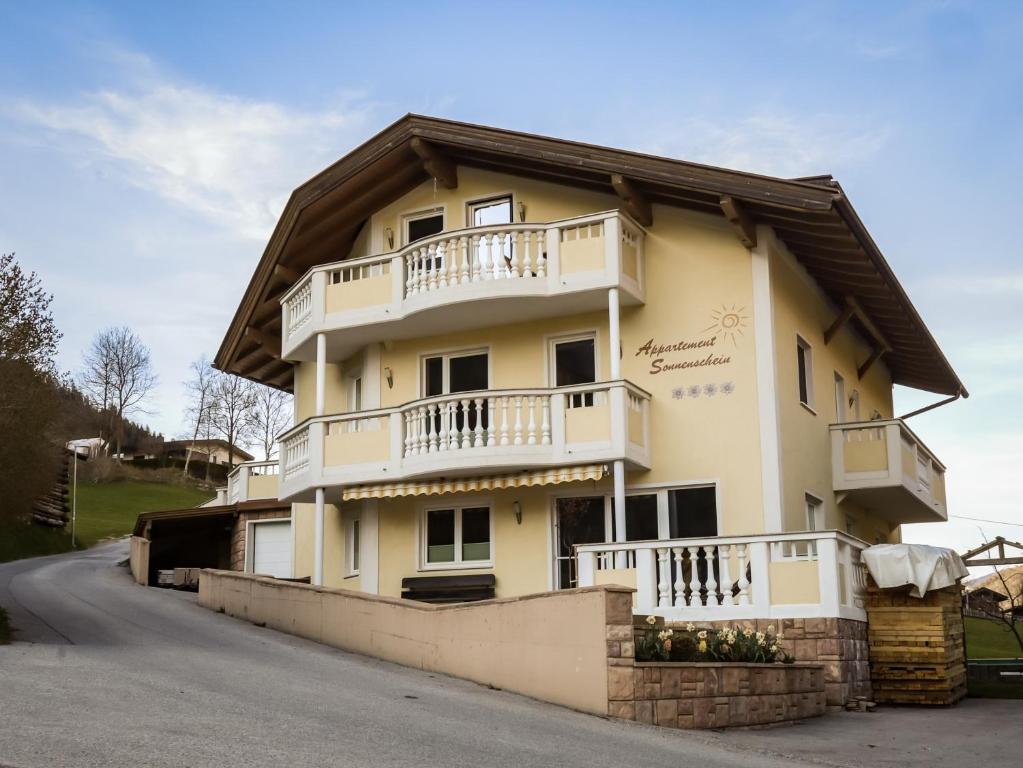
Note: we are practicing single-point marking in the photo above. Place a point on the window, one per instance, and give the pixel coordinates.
(692, 512)
(840, 404)
(497, 210)
(640, 517)
(423, 224)
(574, 361)
(456, 372)
(456, 536)
(355, 393)
(804, 360)
(814, 514)
(353, 541)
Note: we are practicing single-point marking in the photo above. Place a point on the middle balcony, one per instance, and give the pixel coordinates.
(521, 271)
(468, 433)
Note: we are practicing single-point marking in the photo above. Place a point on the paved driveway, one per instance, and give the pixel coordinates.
(109, 673)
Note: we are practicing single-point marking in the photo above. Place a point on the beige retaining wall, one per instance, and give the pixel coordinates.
(138, 560)
(551, 646)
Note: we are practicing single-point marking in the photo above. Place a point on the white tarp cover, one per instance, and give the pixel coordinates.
(926, 568)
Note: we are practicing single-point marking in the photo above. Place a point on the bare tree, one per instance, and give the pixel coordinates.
(1007, 610)
(200, 394)
(232, 410)
(117, 375)
(271, 413)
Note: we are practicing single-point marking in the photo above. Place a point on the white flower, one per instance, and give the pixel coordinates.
(651, 620)
(690, 627)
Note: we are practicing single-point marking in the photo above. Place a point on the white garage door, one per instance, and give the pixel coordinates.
(271, 549)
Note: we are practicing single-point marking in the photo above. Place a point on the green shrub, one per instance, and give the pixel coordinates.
(738, 644)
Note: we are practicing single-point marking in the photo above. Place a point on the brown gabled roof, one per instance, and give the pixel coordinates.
(215, 442)
(811, 215)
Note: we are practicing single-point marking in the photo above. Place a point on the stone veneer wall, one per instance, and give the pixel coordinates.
(718, 695)
(840, 645)
(238, 533)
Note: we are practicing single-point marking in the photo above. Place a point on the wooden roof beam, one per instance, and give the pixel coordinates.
(635, 202)
(264, 340)
(285, 275)
(436, 163)
(842, 319)
(745, 228)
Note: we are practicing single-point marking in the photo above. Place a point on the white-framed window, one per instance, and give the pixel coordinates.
(353, 546)
(814, 513)
(457, 537)
(355, 392)
(573, 360)
(416, 226)
(841, 406)
(493, 210)
(804, 367)
(450, 372)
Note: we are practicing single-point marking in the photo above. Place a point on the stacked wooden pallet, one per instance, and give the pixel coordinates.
(917, 652)
(52, 509)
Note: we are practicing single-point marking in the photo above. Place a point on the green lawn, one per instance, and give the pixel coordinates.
(108, 510)
(990, 639)
(105, 510)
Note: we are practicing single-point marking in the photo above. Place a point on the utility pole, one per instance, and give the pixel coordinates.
(74, 496)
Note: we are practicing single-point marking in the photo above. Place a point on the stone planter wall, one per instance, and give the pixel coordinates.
(840, 645)
(718, 695)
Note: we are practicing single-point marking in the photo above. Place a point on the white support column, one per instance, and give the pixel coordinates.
(614, 325)
(646, 580)
(621, 558)
(586, 565)
(767, 395)
(321, 373)
(318, 538)
(369, 546)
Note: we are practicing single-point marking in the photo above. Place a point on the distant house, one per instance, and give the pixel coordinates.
(983, 600)
(213, 451)
(87, 447)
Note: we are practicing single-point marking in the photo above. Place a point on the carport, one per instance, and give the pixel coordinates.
(200, 537)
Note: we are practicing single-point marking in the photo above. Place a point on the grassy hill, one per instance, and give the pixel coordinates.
(990, 639)
(105, 510)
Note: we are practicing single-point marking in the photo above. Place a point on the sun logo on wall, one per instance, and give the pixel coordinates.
(729, 323)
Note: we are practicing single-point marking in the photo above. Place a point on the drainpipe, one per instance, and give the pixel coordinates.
(321, 391)
(615, 345)
(932, 406)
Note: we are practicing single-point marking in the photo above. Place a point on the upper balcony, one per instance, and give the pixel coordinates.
(252, 480)
(515, 268)
(884, 467)
(468, 433)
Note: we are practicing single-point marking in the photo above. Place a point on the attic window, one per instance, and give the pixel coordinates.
(424, 224)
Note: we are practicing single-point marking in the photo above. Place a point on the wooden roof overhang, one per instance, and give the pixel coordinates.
(812, 216)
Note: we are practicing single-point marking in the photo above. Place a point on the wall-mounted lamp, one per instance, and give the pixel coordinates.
(522, 211)
(389, 377)
(517, 509)
(389, 234)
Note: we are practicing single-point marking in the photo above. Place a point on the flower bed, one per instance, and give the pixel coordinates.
(730, 644)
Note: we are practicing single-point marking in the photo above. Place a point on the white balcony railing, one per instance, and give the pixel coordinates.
(770, 576)
(253, 480)
(884, 463)
(489, 430)
(586, 254)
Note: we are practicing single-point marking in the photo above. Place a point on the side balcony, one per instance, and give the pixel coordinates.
(515, 268)
(887, 469)
(253, 480)
(468, 433)
(811, 574)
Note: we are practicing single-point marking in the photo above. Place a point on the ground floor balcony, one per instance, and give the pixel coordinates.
(885, 468)
(516, 272)
(769, 576)
(252, 480)
(468, 433)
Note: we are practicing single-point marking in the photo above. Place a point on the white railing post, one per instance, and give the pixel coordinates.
(828, 575)
(585, 568)
(613, 249)
(558, 425)
(318, 298)
(646, 580)
(553, 237)
(243, 483)
(760, 581)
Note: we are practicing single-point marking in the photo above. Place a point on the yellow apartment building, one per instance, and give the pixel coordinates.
(545, 364)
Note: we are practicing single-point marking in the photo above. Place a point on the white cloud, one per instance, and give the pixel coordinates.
(1007, 285)
(232, 160)
(771, 143)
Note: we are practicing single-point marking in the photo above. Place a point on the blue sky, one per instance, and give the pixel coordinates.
(146, 150)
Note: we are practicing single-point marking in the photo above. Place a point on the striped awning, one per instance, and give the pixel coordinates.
(551, 476)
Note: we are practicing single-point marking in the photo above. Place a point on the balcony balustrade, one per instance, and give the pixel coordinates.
(770, 576)
(515, 268)
(253, 480)
(469, 432)
(884, 467)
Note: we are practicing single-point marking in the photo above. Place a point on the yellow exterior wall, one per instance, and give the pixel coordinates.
(304, 521)
(800, 308)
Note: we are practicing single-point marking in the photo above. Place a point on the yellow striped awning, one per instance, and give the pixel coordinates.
(551, 476)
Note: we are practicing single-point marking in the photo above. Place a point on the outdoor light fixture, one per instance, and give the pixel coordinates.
(517, 508)
(389, 376)
(522, 211)
(389, 234)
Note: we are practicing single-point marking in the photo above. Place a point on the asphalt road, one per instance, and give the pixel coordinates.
(106, 673)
